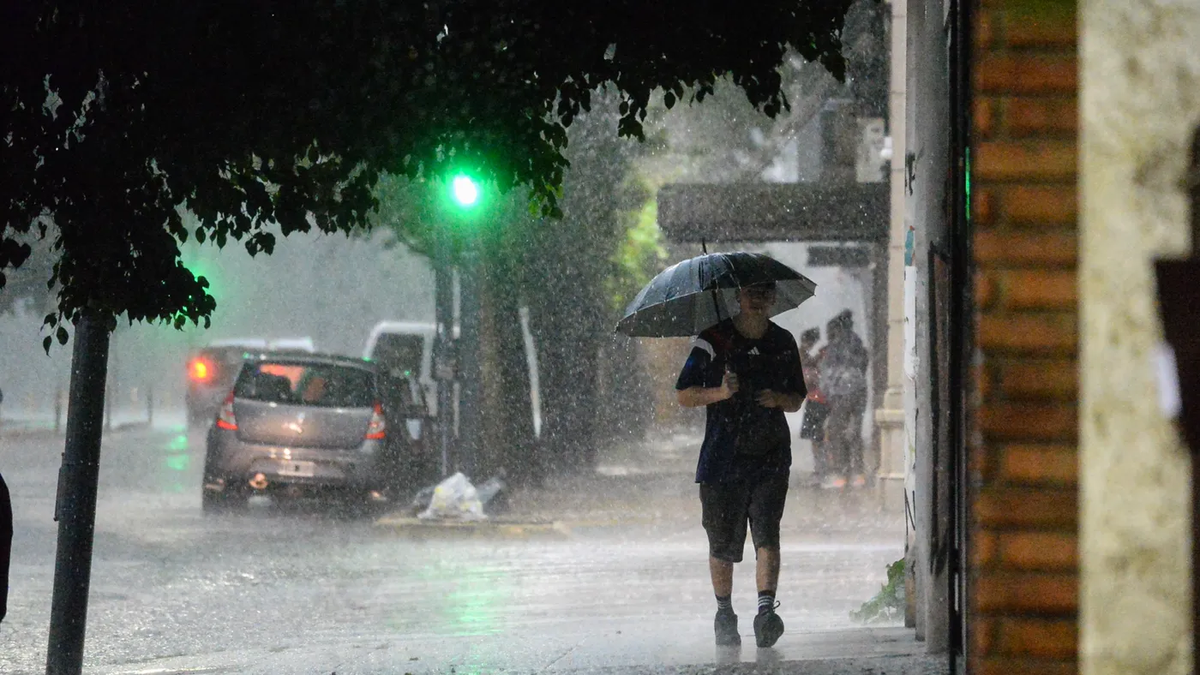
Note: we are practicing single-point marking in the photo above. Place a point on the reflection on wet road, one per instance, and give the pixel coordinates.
(285, 590)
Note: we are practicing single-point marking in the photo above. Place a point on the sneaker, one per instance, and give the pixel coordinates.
(726, 628)
(834, 482)
(767, 628)
(859, 481)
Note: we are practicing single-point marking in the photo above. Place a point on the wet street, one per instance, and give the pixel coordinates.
(299, 591)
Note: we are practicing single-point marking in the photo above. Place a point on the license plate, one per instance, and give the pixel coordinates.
(300, 469)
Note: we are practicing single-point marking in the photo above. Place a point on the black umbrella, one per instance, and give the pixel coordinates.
(692, 295)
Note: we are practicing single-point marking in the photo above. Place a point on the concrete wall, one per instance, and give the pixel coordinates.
(927, 161)
(1140, 93)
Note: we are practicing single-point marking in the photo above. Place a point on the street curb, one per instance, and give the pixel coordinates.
(20, 433)
(26, 433)
(492, 528)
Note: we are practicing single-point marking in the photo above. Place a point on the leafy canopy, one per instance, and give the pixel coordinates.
(114, 120)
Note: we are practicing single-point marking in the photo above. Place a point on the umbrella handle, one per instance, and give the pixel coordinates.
(716, 305)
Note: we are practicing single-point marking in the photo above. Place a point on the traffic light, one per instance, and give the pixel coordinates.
(464, 190)
(465, 201)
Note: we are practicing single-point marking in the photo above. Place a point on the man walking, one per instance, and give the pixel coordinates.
(843, 371)
(747, 373)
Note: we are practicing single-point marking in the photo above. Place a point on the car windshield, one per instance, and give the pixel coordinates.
(314, 384)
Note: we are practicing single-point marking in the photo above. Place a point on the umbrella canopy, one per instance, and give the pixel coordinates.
(692, 295)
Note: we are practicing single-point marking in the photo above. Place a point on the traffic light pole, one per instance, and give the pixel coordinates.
(75, 505)
(456, 357)
(470, 376)
(443, 348)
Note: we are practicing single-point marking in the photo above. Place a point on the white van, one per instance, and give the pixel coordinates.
(404, 349)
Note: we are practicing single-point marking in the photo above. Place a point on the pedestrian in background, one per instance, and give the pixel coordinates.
(747, 373)
(816, 408)
(843, 372)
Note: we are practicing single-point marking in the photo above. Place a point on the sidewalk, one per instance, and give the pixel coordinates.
(653, 482)
(633, 484)
(650, 485)
(44, 428)
(889, 651)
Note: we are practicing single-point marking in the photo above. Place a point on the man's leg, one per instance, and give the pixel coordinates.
(766, 511)
(820, 459)
(839, 460)
(856, 449)
(722, 576)
(766, 570)
(854, 444)
(724, 517)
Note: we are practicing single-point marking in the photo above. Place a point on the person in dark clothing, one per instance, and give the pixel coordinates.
(746, 371)
(816, 408)
(843, 371)
(6, 535)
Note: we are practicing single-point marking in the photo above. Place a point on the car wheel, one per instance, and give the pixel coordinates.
(228, 499)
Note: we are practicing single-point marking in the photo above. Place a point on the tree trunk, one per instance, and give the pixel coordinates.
(75, 510)
(508, 443)
(567, 321)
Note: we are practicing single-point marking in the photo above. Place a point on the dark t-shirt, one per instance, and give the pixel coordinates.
(742, 439)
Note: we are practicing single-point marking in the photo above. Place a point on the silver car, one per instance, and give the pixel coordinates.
(313, 425)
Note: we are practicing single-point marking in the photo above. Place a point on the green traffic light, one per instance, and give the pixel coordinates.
(466, 192)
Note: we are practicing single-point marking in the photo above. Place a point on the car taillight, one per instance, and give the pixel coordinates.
(377, 427)
(225, 418)
(200, 370)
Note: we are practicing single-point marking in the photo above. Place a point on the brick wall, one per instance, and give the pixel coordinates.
(1024, 562)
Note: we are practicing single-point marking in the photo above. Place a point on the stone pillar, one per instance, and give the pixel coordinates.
(1139, 104)
(889, 417)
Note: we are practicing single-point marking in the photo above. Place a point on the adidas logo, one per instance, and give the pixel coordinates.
(753, 352)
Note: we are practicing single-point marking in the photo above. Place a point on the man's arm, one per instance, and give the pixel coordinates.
(793, 392)
(789, 401)
(695, 397)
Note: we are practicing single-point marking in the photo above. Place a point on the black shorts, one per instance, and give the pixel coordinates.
(727, 507)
